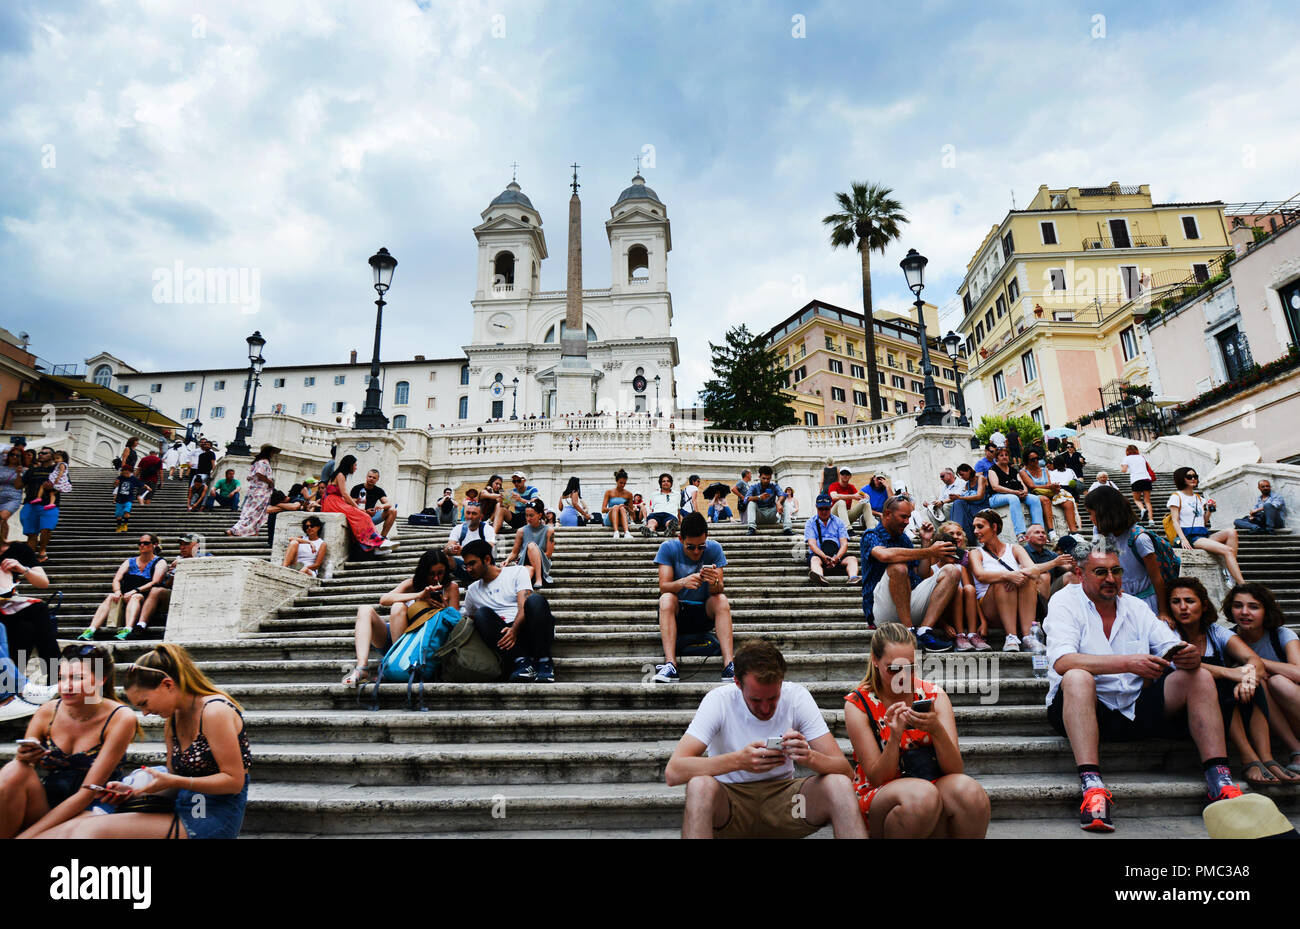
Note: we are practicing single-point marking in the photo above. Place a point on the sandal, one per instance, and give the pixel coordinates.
(358, 676)
(1294, 766)
(1285, 775)
(1265, 776)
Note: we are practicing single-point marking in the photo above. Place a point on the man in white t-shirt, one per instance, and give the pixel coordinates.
(663, 504)
(1115, 672)
(472, 528)
(509, 615)
(743, 789)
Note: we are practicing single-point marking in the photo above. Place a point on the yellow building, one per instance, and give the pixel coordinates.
(821, 349)
(1049, 296)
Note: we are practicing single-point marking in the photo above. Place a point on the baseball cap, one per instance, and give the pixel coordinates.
(188, 538)
(846, 471)
(311, 480)
(519, 474)
(824, 500)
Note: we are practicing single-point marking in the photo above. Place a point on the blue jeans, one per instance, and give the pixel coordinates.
(963, 512)
(1012, 502)
(11, 679)
(215, 500)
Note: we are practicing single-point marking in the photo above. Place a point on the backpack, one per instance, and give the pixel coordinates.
(464, 532)
(1171, 565)
(465, 658)
(413, 657)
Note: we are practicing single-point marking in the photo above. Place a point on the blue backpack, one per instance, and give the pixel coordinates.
(413, 657)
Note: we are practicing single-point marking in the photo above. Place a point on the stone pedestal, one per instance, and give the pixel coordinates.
(1205, 568)
(573, 380)
(336, 535)
(223, 597)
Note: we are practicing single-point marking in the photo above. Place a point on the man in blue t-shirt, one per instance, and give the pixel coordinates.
(827, 537)
(990, 458)
(764, 504)
(520, 494)
(899, 587)
(691, 601)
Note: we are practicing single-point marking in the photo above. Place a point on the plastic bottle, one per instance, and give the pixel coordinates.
(1038, 657)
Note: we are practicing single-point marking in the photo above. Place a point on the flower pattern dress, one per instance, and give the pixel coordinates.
(252, 516)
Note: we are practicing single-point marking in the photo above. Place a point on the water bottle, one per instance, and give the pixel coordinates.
(1038, 656)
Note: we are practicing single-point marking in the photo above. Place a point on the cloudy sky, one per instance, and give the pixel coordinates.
(295, 138)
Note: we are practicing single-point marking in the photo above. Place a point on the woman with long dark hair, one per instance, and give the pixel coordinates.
(1258, 619)
(338, 500)
(432, 586)
(572, 510)
(260, 484)
(48, 784)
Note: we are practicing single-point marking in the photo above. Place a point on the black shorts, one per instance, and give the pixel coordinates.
(518, 520)
(1141, 485)
(692, 618)
(1148, 722)
(660, 518)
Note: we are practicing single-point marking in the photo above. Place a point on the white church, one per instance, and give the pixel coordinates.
(510, 366)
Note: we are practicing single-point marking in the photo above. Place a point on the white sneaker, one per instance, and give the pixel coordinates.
(387, 545)
(39, 693)
(1053, 537)
(16, 708)
(1012, 644)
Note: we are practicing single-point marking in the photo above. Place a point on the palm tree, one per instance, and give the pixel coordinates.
(869, 219)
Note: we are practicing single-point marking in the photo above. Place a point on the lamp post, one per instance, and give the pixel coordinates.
(951, 343)
(658, 412)
(914, 269)
(257, 382)
(514, 400)
(371, 417)
(245, 428)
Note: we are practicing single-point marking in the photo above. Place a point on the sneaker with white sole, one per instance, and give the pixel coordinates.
(39, 693)
(16, 708)
(963, 643)
(666, 674)
(1012, 644)
(978, 642)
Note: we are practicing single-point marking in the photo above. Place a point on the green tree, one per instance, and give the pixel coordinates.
(868, 220)
(745, 390)
(1030, 431)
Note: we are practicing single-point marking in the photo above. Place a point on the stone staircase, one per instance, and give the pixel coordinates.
(585, 756)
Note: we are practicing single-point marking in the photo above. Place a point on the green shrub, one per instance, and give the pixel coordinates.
(1030, 431)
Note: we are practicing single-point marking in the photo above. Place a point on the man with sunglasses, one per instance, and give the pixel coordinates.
(1116, 672)
(691, 601)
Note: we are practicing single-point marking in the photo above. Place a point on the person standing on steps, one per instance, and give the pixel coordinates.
(738, 756)
(901, 583)
(827, 539)
(172, 459)
(1140, 481)
(765, 505)
(741, 490)
(510, 615)
(1116, 672)
(126, 490)
(252, 516)
(151, 473)
(691, 597)
(11, 494)
(39, 519)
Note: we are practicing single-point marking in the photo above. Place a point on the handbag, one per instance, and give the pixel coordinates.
(1151, 474)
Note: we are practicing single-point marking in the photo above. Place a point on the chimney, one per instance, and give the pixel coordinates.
(419, 358)
(353, 359)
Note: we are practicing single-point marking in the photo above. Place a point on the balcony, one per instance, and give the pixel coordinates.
(499, 289)
(1138, 241)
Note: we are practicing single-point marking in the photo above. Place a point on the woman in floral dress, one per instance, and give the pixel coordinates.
(252, 516)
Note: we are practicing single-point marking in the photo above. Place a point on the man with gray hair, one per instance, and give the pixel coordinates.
(1116, 672)
(1268, 513)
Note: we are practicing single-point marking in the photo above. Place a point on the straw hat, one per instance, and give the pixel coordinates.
(1250, 816)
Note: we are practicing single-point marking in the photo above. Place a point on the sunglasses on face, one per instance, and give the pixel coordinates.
(693, 548)
(1193, 477)
(1115, 571)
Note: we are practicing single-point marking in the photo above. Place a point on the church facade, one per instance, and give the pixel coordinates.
(517, 333)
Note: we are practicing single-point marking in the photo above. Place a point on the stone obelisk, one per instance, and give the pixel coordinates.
(574, 376)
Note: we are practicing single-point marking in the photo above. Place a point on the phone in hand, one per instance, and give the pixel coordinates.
(95, 787)
(36, 742)
(922, 706)
(774, 743)
(1174, 650)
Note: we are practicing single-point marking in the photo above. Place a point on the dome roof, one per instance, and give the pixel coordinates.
(512, 195)
(638, 191)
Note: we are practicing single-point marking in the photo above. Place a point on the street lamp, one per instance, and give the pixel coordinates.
(951, 344)
(913, 266)
(514, 400)
(658, 411)
(371, 417)
(245, 428)
(257, 382)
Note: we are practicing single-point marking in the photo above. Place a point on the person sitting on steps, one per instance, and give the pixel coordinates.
(691, 598)
(827, 538)
(534, 546)
(135, 579)
(902, 583)
(306, 553)
(765, 505)
(510, 615)
(663, 503)
(1258, 620)
(431, 587)
(474, 527)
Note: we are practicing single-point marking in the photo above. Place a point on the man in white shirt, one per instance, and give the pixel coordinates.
(509, 615)
(742, 788)
(1116, 672)
(472, 528)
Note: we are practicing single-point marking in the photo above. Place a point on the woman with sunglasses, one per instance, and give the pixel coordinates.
(1036, 477)
(1191, 517)
(134, 579)
(209, 774)
(908, 770)
(71, 745)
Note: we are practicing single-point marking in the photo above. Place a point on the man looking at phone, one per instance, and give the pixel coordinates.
(1116, 672)
(691, 600)
(472, 528)
(509, 615)
(737, 759)
(905, 584)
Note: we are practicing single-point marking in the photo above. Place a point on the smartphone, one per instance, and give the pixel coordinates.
(922, 706)
(774, 743)
(1169, 655)
(36, 742)
(94, 787)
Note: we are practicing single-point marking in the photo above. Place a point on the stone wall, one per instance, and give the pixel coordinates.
(223, 597)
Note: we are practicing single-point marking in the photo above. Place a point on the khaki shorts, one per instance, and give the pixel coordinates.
(765, 810)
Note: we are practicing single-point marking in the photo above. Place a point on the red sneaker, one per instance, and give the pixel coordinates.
(1227, 792)
(1094, 812)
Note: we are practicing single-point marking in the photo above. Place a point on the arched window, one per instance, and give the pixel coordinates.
(463, 412)
(464, 376)
(399, 422)
(402, 394)
(503, 268)
(638, 263)
(103, 375)
(550, 333)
